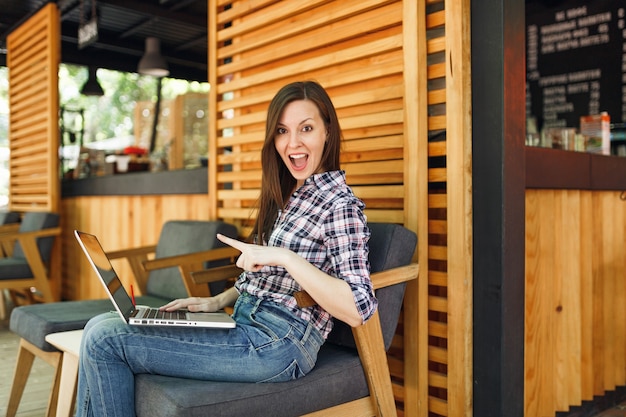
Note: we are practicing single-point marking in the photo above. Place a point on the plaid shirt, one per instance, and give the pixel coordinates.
(324, 223)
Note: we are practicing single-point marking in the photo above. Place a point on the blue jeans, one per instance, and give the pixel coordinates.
(269, 344)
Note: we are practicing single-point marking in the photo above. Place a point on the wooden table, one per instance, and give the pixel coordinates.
(69, 344)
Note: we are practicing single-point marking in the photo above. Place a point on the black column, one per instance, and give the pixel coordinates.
(498, 106)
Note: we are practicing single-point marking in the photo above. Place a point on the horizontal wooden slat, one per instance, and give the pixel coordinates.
(388, 191)
(438, 406)
(437, 96)
(439, 304)
(437, 379)
(373, 168)
(437, 354)
(437, 278)
(437, 148)
(437, 123)
(385, 216)
(238, 9)
(437, 252)
(437, 227)
(437, 175)
(436, 45)
(381, 178)
(252, 194)
(438, 329)
(437, 200)
(435, 19)
(436, 71)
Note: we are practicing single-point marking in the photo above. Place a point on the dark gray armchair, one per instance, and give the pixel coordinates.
(27, 251)
(351, 375)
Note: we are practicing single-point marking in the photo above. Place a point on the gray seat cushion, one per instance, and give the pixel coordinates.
(326, 385)
(34, 322)
(337, 377)
(14, 268)
(9, 217)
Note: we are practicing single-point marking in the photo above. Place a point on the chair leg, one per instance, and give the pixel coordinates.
(25, 356)
(53, 400)
(3, 305)
(23, 366)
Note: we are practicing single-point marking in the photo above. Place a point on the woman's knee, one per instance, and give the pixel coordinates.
(100, 328)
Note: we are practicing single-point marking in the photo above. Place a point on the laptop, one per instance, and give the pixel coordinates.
(142, 315)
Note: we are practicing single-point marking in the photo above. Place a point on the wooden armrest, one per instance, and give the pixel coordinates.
(135, 257)
(9, 228)
(190, 258)
(188, 263)
(395, 275)
(132, 252)
(371, 346)
(216, 274)
(52, 231)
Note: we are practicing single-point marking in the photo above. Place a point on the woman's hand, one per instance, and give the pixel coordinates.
(205, 304)
(193, 304)
(254, 257)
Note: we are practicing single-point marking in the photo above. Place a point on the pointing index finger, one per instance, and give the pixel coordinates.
(232, 242)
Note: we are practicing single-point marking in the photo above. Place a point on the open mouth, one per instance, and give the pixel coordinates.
(298, 161)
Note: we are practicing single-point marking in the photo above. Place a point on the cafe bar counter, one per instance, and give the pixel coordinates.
(575, 286)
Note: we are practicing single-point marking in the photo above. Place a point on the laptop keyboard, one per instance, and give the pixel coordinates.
(155, 313)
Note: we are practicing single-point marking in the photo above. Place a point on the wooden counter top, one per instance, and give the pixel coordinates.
(183, 181)
(558, 169)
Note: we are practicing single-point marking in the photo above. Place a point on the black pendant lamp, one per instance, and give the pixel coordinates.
(92, 87)
(152, 62)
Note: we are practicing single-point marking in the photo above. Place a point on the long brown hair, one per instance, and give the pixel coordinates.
(277, 183)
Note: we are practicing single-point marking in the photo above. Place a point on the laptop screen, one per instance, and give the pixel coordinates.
(97, 257)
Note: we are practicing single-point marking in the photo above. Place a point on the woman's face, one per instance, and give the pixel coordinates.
(300, 138)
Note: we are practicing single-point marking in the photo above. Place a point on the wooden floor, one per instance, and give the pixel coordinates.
(607, 404)
(35, 398)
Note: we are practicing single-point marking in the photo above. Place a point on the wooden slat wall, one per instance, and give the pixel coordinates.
(120, 222)
(33, 58)
(395, 72)
(575, 335)
(273, 43)
(446, 248)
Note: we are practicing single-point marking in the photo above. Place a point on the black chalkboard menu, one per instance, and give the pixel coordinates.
(575, 60)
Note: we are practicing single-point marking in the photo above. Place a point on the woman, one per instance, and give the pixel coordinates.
(310, 240)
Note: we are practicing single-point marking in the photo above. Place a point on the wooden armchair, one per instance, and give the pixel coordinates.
(351, 376)
(26, 255)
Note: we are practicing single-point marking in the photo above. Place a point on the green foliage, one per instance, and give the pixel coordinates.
(112, 114)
